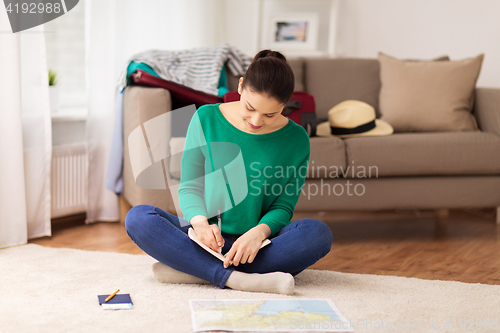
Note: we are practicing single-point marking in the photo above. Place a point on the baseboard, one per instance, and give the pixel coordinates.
(68, 221)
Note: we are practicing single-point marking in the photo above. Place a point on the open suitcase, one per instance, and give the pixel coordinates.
(181, 95)
(301, 108)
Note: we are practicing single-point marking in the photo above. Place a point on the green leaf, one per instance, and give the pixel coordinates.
(52, 78)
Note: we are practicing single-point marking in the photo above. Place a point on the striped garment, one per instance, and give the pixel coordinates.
(197, 68)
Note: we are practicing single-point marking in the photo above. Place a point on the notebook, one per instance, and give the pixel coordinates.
(221, 256)
(118, 302)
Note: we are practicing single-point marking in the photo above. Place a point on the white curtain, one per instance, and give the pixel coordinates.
(102, 204)
(25, 135)
(117, 30)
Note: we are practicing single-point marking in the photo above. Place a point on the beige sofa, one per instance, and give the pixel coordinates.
(438, 170)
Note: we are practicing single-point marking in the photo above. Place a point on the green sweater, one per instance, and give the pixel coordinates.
(251, 178)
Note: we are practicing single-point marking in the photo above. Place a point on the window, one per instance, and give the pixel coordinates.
(66, 51)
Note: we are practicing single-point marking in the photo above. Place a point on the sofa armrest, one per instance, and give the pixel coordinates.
(487, 109)
(141, 104)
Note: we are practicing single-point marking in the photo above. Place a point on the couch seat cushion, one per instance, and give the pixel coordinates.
(327, 159)
(436, 153)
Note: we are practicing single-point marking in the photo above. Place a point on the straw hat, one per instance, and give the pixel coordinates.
(353, 118)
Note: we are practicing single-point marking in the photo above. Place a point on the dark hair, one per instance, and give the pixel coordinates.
(270, 73)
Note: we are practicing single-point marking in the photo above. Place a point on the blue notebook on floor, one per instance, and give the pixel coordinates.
(118, 302)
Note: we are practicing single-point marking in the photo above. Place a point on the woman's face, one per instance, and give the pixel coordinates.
(258, 111)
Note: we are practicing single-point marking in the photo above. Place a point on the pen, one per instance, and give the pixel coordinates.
(111, 296)
(218, 220)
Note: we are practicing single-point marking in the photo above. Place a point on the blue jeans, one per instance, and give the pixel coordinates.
(164, 237)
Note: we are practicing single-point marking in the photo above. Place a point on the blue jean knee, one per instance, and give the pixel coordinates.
(135, 217)
(321, 234)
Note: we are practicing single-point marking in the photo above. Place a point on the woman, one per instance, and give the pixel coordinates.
(251, 146)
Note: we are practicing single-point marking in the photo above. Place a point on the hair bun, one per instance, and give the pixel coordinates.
(269, 53)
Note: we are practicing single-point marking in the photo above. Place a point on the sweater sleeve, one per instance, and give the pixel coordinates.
(281, 210)
(192, 183)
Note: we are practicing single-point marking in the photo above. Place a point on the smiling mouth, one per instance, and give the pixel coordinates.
(252, 126)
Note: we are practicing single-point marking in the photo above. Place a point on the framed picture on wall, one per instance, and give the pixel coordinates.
(292, 31)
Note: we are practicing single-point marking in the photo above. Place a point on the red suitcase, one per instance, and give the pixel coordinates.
(181, 95)
(301, 109)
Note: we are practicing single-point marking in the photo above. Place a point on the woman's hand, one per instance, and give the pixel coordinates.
(245, 248)
(209, 234)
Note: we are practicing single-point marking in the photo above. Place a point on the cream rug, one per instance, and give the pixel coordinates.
(46, 289)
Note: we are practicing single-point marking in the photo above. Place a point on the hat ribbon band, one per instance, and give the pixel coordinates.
(355, 130)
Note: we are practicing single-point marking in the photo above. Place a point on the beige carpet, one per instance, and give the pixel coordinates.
(46, 289)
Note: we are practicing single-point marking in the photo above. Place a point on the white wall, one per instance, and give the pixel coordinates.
(241, 25)
(143, 25)
(242, 21)
(423, 29)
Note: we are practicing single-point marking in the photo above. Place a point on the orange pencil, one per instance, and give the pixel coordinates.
(111, 296)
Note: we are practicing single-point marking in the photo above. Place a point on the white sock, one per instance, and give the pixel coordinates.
(275, 282)
(167, 274)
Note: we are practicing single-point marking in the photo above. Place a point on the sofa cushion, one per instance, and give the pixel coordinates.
(332, 81)
(297, 65)
(409, 154)
(327, 159)
(428, 96)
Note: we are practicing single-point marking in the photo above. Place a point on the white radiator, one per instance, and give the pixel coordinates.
(69, 180)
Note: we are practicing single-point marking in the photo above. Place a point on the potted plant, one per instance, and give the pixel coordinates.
(53, 91)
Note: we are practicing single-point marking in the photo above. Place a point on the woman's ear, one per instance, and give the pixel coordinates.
(240, 90)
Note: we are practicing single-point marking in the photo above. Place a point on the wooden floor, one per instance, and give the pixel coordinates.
(465, 246)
